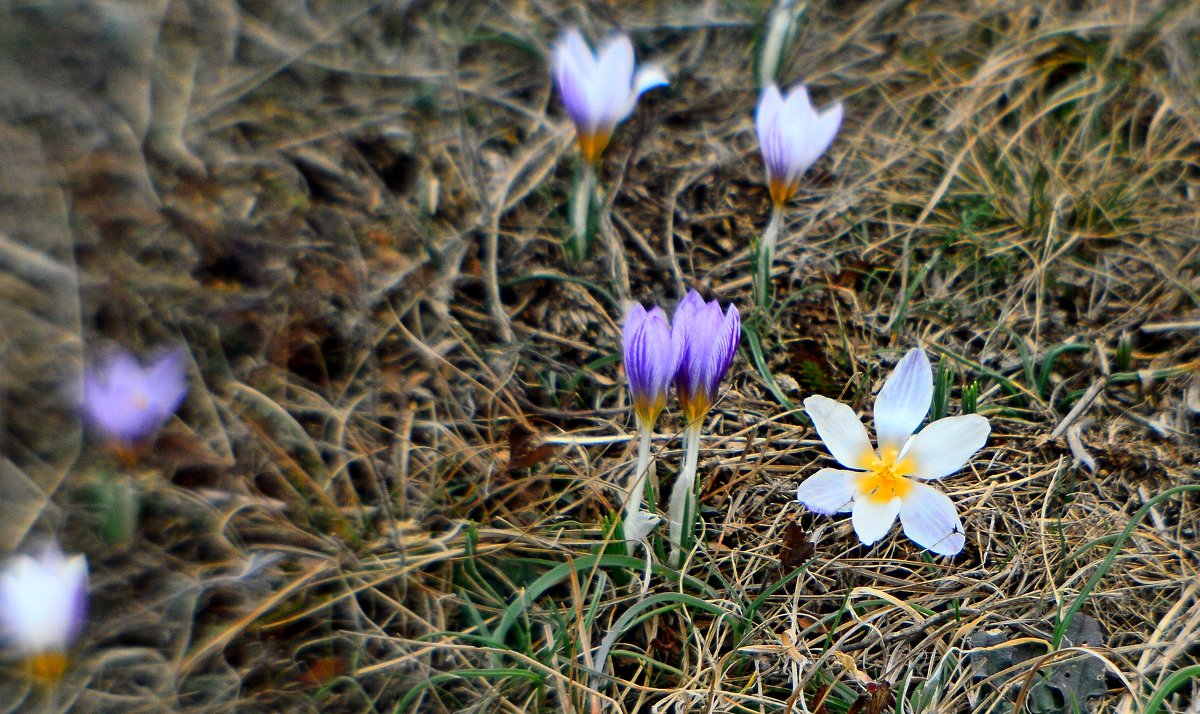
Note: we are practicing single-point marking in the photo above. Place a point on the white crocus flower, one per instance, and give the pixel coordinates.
(888, 481)
(42, 604)
(599, 90)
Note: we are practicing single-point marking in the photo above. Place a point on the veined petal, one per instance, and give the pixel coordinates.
(944, 446)
(839, 427)
(873, 520)
(769, 105)
(613, 82)
(828, 491)
(929, 518)
(904, 401)
(574, 68)
(722, 350)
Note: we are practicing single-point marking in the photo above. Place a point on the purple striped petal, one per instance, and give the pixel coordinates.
(707, 340)
(650, 360)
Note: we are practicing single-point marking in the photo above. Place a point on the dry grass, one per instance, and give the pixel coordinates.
(407, 427)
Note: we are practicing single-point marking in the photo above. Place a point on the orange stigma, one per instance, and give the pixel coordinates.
(885, 478)
(592, 144)
(47, 667)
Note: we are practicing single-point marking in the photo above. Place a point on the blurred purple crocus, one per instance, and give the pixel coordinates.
(599, 90)
(129, 402)
(792, 136)
(706, 340)
(651, 359)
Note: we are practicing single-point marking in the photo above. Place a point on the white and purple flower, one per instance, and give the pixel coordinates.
(599, 90)
(42, 608)
(129, 402)
(792, 136)
(706, 340)
(888, 482)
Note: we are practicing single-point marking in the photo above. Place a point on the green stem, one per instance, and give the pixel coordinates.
(764, 260)
(581, 208)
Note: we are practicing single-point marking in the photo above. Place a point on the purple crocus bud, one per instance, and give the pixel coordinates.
(129, 402)
(792, 136)
(706, 340)
(42, 604)
(599, 90)
(650, 361)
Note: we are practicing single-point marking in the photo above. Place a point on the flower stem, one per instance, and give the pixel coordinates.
(682, 508)
(638, 490)
(581, 209)
(638, 525)
(765, 258)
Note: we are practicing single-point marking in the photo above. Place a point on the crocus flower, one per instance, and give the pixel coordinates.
(129, 402)
(650, 361)
(42, 604)
(888, 481)
(706, 340)
(599, 91)
(792, 136)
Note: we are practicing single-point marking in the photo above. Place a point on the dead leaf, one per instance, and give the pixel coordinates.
(796, 548)
(524, 451)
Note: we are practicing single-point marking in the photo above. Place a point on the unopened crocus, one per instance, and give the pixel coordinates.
(792, 136)
(128, 402)
(42, 606)
(651, 360)
(889, 481)
(599, 90)
(706, 339)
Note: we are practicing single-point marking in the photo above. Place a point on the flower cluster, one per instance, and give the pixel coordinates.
(885, 482)
(694, 354)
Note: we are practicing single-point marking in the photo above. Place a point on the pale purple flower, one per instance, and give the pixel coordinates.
(43, 602)
(706, 340)
(792, 136)
(129, 402)
(887, 482)
(650, 361)
(599, 90)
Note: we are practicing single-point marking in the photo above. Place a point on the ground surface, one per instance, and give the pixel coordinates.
(388, 490)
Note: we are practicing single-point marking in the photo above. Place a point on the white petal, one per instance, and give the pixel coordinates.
(944, 446)
(649, 77)
(769, 105)
(797, 107)
(614, 80)
(828, 491)
(930, 520)
(873, 520)
(904, 401)
(839, 427)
